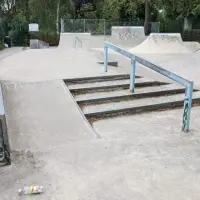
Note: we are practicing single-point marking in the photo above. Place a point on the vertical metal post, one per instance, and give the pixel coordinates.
(75, 42)
(104, 27)
(105, 58)
(84, 25)
(132, 74)
(187, 107)
(81, 43)
(62, 26)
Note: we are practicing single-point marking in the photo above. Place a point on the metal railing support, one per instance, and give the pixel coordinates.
(78, 41)
(132, 74)
(188, 84)
(187, 107)
(105, 58)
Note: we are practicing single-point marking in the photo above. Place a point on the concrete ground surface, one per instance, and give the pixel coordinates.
(10, 51)
(141, 157)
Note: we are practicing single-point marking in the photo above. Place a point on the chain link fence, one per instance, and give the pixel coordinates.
(104, 27)
(20, 34)
(190, 31)
(100, 26)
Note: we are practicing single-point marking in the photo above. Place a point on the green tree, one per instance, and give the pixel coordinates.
(48, 12)
(87, 11)
(179, 9)
(124, 9)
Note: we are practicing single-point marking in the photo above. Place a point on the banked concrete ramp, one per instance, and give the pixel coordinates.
(67, 40)
(162, 43)
(88, 41)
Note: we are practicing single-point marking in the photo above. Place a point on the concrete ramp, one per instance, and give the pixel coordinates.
(67, 40)
(162, 43)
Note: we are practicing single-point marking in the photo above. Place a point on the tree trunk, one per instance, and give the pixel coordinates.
(27, 11)
(147, 25)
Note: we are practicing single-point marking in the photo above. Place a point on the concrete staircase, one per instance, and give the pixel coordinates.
(109, 96)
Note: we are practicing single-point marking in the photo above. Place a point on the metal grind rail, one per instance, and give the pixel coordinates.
(186, 83)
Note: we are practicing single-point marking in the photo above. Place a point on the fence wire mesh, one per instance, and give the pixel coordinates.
(100, 26)
(104, 27)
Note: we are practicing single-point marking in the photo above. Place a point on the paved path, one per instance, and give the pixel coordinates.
(50, 64)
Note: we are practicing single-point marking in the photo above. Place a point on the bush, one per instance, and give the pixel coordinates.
(19, 34)
(193, 35)
(1, 46)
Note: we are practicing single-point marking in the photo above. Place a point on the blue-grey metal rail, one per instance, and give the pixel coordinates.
(79, 42)
(188, 84)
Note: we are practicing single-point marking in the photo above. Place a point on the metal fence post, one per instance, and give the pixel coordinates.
(132, 74)
(105, 58)
(104, 27)
(84, 25)
(62, 26)
(187, 107)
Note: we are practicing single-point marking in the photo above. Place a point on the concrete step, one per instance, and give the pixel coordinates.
(103, 83)
(114, 96)
(137, 106)
(98, 79)
(111, 85)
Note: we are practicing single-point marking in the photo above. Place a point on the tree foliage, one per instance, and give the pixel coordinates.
(180, 9)
(47, 12)
(124, 9)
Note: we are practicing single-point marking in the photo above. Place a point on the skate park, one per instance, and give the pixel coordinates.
(81, 133)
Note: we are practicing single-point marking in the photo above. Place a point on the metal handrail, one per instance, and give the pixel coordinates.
(186, 83)
(80, 44)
